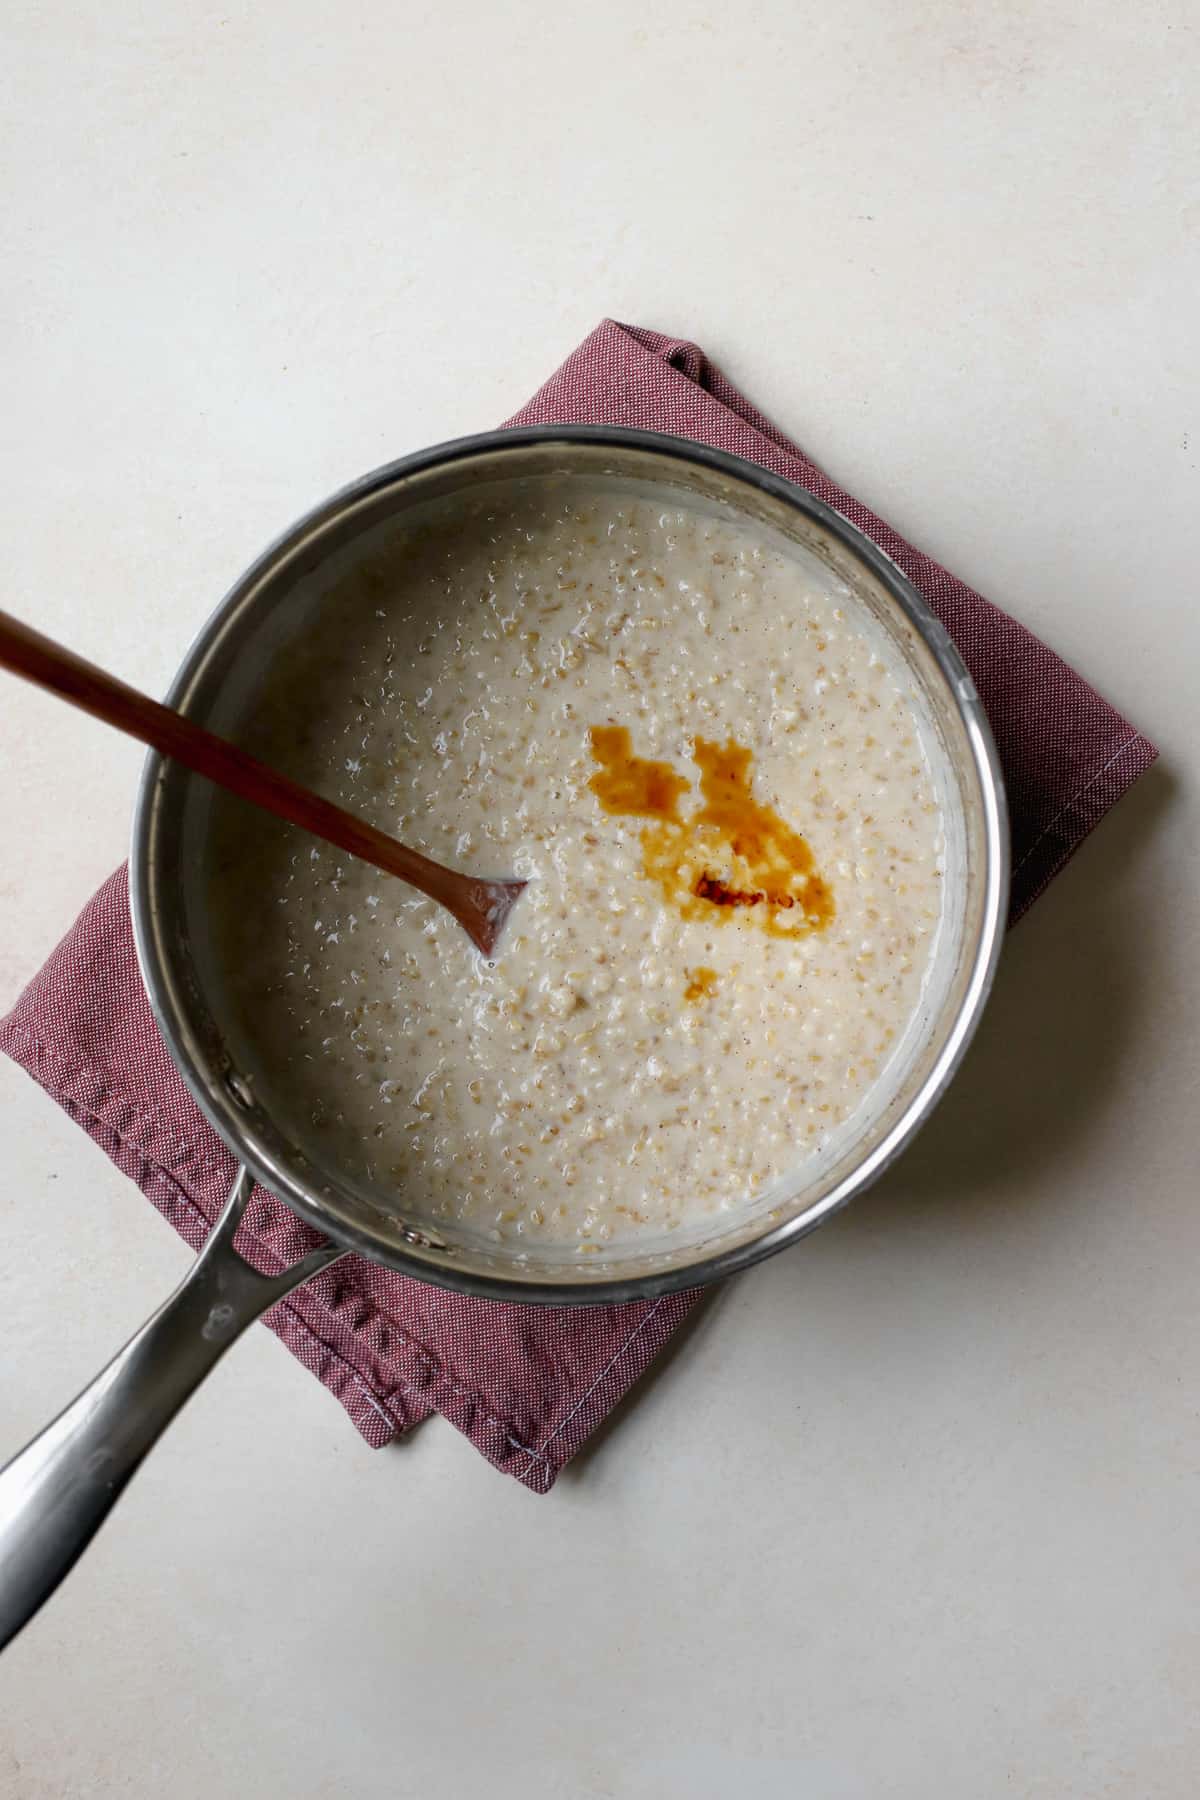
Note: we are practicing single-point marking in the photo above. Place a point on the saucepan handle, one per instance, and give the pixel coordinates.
(57, 1492)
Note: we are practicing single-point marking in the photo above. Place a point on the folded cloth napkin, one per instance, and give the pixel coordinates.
(528, 1384)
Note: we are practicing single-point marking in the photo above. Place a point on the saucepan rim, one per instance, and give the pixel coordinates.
(155, 923)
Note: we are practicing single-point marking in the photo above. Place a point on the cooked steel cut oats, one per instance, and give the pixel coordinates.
(709, 768)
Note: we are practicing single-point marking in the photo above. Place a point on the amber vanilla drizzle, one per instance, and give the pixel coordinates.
(731, 854)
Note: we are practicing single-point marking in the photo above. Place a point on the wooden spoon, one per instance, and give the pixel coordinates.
(481, 907)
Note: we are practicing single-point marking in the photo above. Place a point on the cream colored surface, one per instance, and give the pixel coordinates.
(914, 1509)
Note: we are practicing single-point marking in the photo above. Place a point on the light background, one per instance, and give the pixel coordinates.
(913, 1510)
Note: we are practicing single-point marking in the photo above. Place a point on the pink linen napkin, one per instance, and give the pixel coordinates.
(527, 1384)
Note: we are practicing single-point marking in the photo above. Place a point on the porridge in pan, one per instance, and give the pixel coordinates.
(708, 764)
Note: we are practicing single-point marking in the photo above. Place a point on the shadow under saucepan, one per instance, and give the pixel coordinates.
(1073, 1004)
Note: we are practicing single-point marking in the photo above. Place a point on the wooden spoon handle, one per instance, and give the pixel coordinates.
(39, 659)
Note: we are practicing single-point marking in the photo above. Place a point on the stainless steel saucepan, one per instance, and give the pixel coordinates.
(56, 1492)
